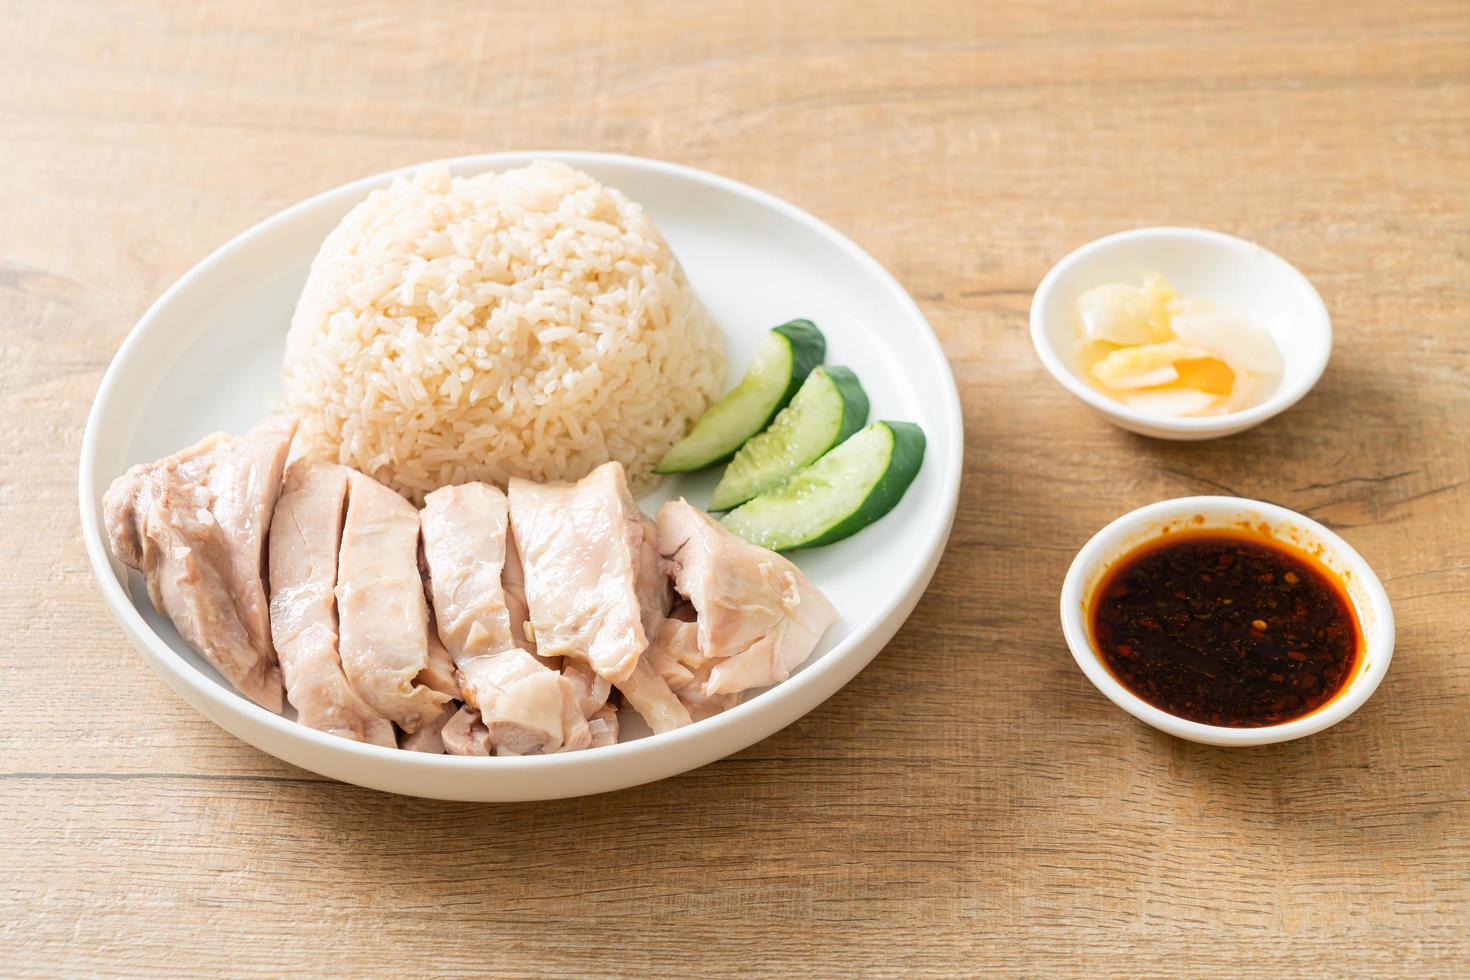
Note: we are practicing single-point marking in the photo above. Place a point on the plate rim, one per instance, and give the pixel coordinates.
(703, 742)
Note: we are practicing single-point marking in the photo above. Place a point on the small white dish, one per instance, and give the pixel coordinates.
(207, 357)
(1370, 602)
(1229, 271)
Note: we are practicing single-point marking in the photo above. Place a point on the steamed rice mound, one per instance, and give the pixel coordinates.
(526, 323)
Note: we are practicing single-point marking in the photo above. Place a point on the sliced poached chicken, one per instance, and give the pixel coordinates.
(579, 545)
(304, 538)
(523, 705)
(196, 525)
(543, 601)
(647, 689)
(466, 734)
(758, 616)
(384, 620)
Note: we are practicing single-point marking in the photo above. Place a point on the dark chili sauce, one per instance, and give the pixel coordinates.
(1226, 628)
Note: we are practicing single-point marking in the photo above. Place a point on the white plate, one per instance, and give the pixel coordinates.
(206, 357)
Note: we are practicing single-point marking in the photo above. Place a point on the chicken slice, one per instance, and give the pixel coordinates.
(438, 673)
(650, 696)
(700, 704)
(579, 546)
(683, 644)
(380, 601)
(526, 707)
(513, 580)
(757, 614)
(465, 733)
(464, 531)
(429, 738)
(591, 691)
(654, 582)
(196, 525)
(602, 728)
(304, 535)
(675, 655)
(674, 674)
(647, 689)
(575, 733)
(466, 552)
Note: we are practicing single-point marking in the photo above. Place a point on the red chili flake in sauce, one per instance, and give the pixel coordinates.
(1226, 628)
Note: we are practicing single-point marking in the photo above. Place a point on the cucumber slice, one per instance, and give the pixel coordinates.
(840, 494)
(829, 407)
(784, 359)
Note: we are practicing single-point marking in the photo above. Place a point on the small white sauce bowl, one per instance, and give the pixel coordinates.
(1118, 539)
(1229, 271)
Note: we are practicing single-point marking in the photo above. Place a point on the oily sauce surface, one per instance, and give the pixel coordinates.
(1225, 628)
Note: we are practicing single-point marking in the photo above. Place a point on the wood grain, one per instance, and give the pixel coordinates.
(969, 802)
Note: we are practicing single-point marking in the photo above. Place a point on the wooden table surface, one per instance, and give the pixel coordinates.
(969, 801)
